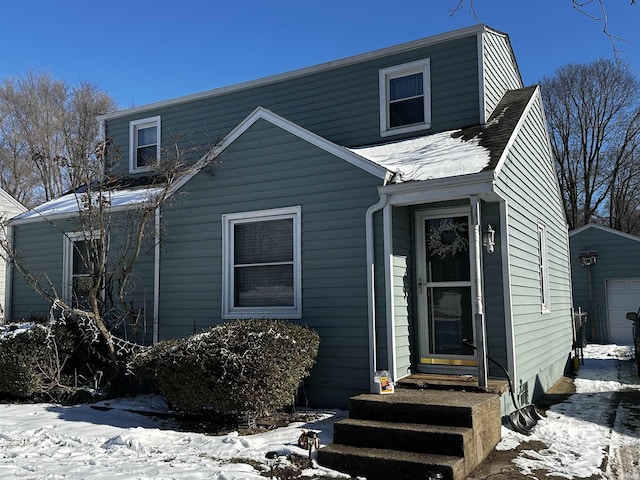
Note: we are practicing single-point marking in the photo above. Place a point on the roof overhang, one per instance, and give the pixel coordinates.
(69, 205)
(441, 189)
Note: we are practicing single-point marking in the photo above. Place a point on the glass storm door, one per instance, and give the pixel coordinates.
(445, 292)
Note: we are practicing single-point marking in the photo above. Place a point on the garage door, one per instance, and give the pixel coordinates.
(623, 295)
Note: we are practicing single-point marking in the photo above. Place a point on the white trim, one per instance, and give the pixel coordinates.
(69, 205)
(156, 278)
(229, 311)
(483, 96)
(429, 191)
(397, 71)
(8, 284)
(543, 265)
(6, 198)
(67, 259)
(261, 113)
(612, 231)
(421, 274)
(134, 126)
(510, 337)
(403, 47)
(387, 221)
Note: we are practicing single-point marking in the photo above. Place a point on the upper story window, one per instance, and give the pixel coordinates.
(262, 271)
(144, 142)
(543, 266)
(405, 98)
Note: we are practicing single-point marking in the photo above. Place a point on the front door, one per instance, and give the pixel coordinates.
(445, 292)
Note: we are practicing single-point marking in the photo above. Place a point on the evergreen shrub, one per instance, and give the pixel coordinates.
(242, 367)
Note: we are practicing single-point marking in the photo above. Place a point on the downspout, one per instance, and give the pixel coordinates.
(390, 301)
(371, 294)
(8, 275)
(480, 327)
(156, 279)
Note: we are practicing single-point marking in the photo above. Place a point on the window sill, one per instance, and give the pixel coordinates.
(407, 129)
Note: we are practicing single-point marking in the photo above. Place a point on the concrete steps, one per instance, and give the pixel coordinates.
(414, 434)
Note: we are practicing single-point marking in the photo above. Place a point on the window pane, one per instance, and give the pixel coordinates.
(80, 257)
(147, 136)
(448, 249)
(80, 292)
(451, 320)
(406, 112)
(267, 286)
(263, 242)
(146, 156)
(406, 87)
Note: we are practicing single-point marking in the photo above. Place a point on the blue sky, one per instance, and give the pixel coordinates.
(143, 51)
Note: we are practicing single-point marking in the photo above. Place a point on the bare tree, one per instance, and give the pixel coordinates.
(45, 126)
(595, 10)
(593, 112)
(108, 243)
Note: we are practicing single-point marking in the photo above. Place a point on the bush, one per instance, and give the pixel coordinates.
(22, 347)
(247, 366)
(41, 361)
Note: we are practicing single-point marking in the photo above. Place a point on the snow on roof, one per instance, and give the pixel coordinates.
(71, 202)
(440, 155)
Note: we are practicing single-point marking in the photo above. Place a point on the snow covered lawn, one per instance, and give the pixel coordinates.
(80, 442)
(600, 422)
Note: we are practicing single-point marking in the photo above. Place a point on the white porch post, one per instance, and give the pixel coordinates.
(480, 327)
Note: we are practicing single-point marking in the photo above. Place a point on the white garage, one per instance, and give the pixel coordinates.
(623, 295)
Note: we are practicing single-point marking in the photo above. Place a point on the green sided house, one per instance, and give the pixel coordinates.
(403, 203)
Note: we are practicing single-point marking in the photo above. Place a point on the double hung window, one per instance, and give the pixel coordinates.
(144, 141)
(405, 98)
(82, 267)
(262, 264)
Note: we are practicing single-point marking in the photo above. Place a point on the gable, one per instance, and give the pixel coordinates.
(500, 70)
(616, 253)
(260, 115)
(601, 233)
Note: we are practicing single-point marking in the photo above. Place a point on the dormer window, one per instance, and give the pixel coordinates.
(144, 141)
(405, 98)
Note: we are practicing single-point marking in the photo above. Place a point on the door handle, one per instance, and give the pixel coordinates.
(420, 284)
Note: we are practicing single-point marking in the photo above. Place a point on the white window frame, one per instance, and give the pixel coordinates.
(134, 126)
(67, 258)
(387, 74)
(229, 310)
(543, 267)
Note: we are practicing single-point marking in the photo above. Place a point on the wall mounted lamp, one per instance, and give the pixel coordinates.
(489, 239)
(588, 258)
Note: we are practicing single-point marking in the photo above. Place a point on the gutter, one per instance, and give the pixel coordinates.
(371, 294)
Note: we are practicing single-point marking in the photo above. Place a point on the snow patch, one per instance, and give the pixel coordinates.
(440, 155)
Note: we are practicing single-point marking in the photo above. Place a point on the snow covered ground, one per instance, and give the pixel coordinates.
(44, 441)
(596, 432)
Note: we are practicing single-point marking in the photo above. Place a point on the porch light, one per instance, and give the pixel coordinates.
(489, 239)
